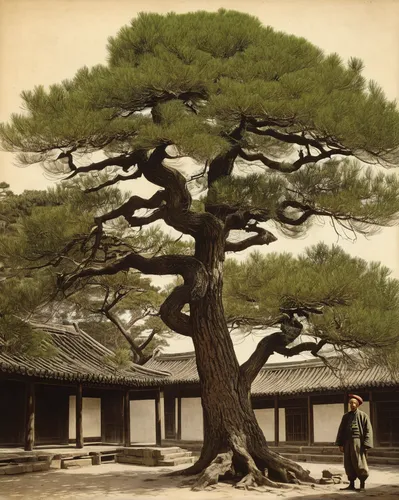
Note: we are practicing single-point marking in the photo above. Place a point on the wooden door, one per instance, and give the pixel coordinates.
(112, 415)
(12, 413)
(51, 415)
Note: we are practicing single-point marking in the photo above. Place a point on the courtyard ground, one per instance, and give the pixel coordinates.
(123, 482)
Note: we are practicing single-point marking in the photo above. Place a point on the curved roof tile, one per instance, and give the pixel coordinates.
(284, 378)
(79, 358)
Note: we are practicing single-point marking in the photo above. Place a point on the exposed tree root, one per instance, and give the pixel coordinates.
(222, 464)
(253, 469)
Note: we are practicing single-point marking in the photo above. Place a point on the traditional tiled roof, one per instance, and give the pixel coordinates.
(285, 378)
(78, 358)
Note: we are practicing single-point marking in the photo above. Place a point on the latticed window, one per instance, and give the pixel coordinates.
(388, 423)
(296, 424)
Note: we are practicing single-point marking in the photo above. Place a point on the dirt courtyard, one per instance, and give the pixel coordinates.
(123, 482)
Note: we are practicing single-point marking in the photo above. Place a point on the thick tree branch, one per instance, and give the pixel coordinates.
(223, 165)
(307, 212)
(276, 343)
(114, 181)
(144, 221)
(286, 167)
(115, 320)
(263, 237)
(301, 140)
(177, 197)
(191, 269)
(148, 339)
(290, 330)
(312, 347)
(124, 161)
(128, 208)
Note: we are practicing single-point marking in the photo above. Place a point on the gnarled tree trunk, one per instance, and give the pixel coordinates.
(233, 440)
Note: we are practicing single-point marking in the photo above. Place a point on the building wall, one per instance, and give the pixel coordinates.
(91, 417)
(366, 407)
(142, 421)
(192, 419)
(326, 418)
(265, 418)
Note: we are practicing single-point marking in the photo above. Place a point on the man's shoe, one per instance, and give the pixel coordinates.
(350, 487)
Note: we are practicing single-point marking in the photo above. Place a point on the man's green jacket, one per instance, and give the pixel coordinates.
(365, 429)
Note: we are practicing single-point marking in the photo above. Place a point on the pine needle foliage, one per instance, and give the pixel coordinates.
(344, 300)
(266, 131)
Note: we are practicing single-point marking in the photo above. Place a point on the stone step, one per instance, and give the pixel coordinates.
(127, 459)
(321, 459)
(99, 458)
(384, 453)
(22, 468)
(170, 450)
(173, 456)
(177, 461)
(76, 462)
(332, 450)
(23, 457)
(327, 459)
(149, 451)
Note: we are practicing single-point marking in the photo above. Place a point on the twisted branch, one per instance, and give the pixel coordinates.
(191, 269)
(262, 237)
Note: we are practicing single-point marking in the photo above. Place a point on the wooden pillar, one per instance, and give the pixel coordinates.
(126, 418)
(345, 403)
(276, 422)
(373, 418)
(310, 422)
(30, 417)
(179, 418)
(79, 416)
(158, 434)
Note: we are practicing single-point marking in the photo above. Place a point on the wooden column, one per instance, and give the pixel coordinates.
(30, 417)
(345, 403)
(79, 417)
(126, 418)
(310, 422)
(158, 430)
(179, 418)
(373, 419)
(276, 422)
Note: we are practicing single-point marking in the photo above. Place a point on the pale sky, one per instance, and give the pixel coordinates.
(46, 41)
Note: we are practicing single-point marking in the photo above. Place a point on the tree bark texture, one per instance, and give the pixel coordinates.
(233, 440)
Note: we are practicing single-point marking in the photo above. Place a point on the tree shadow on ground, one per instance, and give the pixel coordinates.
(113, 481)
(71, 483)
(388, 492)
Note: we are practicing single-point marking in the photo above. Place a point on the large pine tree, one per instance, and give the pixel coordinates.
(274, 130)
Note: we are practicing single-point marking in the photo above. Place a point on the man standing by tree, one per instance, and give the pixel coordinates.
(355, 437)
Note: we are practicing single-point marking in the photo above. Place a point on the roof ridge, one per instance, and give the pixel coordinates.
(55, 328)
(134, 366)
(176, 355)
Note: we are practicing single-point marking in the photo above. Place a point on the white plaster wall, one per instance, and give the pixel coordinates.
(365, 407)
(91, 417)
(326, 420)
(281, 423)
(265, 418)
(142, 421)
(192, 419)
